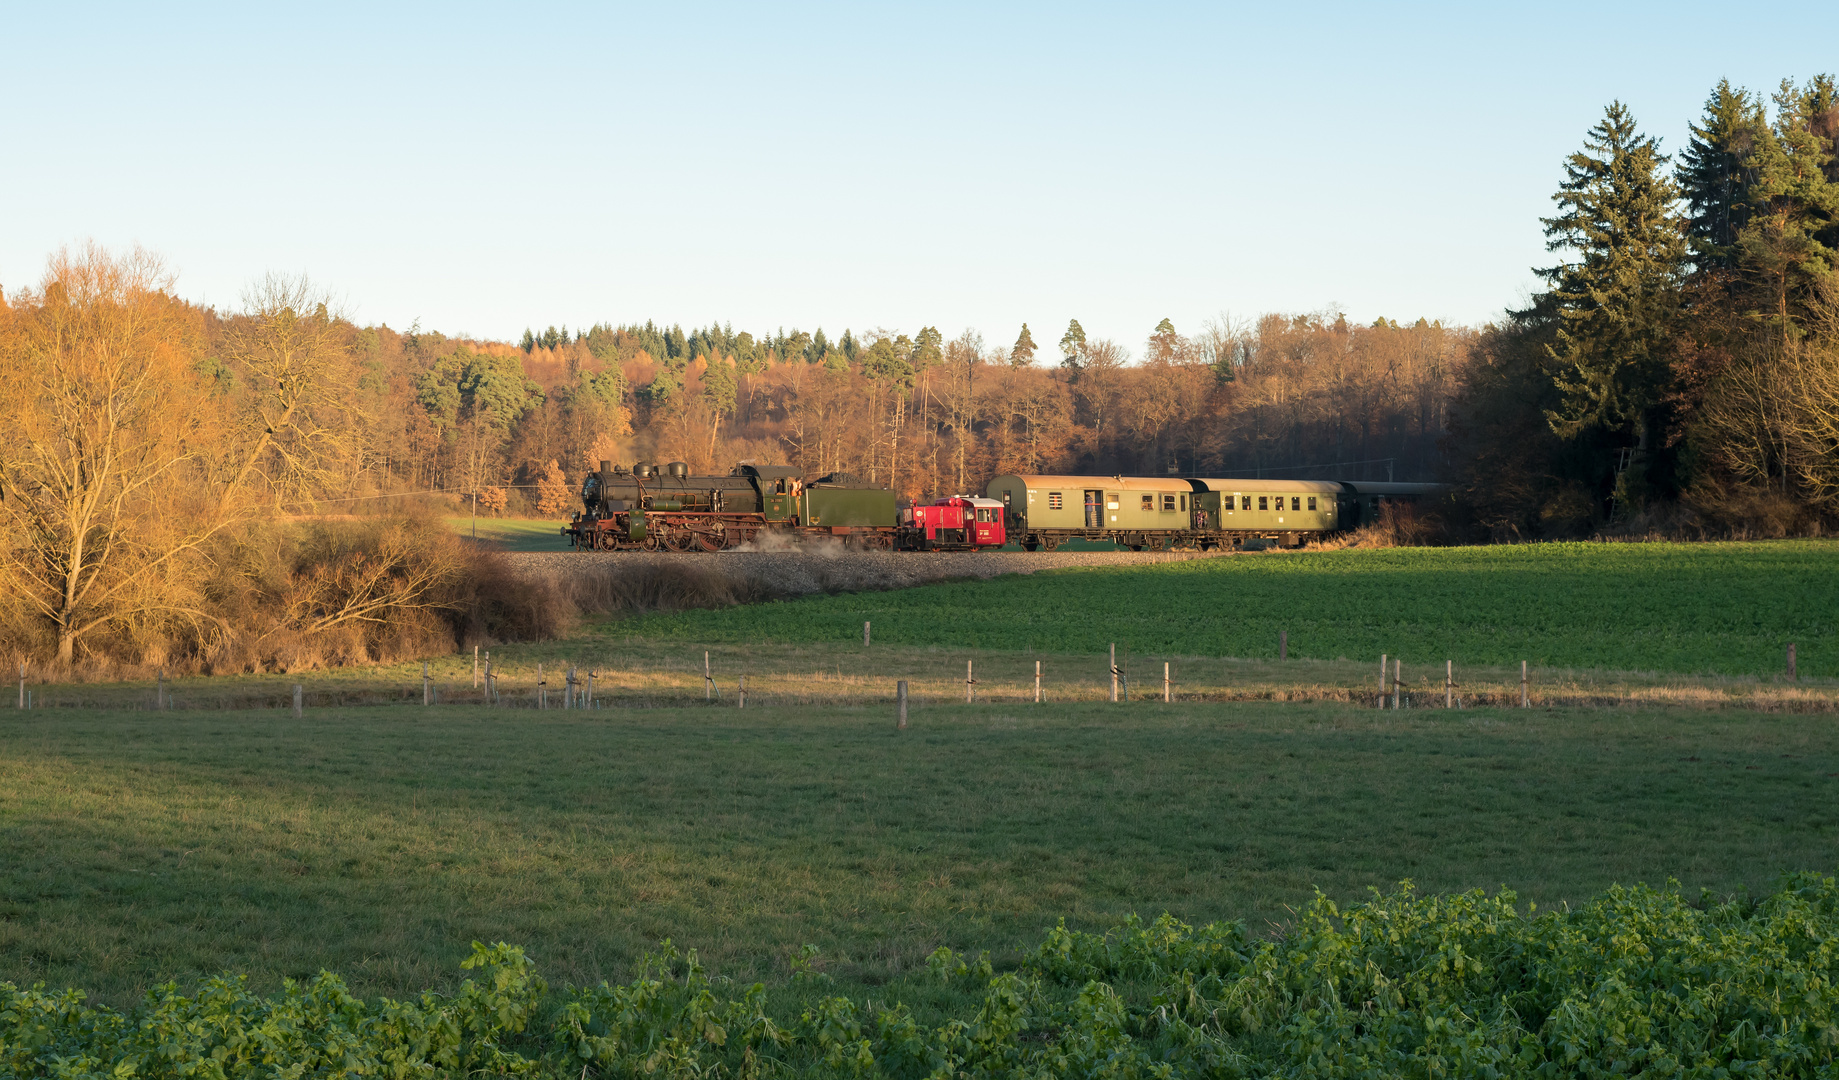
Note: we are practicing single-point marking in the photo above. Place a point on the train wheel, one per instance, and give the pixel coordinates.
(713, 540)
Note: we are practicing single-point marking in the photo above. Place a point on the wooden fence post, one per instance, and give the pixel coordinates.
(708, 679)
(296, 701)
(865, 634)
(1398, 666)
(969, 683)
(426, 690)
(475, 667)
(1791, 674)
(1382, 680)
(1165, 683)
(1114, 671)
(1037, 682)
(900, 698)
(1449, 684)
(741, 696)
(1525, 688)
(1283, 645)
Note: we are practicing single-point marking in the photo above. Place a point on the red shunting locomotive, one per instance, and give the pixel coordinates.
(958, 523)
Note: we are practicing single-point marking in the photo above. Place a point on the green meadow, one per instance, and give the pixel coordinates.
(380, 842)
(1714, 609)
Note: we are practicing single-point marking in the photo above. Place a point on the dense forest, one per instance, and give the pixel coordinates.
(1679, 373)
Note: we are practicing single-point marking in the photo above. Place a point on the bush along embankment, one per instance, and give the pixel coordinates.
(1638, 981)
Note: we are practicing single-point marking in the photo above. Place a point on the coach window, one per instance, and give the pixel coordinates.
(1184, 504)
(1262, 499)
(1245, 502)
(1168, 504)
(1053, 500)
(1296, 502)
(1312, 502)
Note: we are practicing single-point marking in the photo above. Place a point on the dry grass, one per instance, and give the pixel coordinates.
(636, 673)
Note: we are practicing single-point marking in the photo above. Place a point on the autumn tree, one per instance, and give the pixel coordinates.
(553, 497)
(300, 427)
(103, 501)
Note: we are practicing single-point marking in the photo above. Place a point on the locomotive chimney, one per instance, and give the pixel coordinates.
(606, 470)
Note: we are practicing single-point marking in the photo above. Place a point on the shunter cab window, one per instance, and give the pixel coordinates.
(1261, 502)
(1053, 500)
(985, 514)
(1312, 502)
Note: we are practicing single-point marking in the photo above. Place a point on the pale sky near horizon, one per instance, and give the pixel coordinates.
(486, 168)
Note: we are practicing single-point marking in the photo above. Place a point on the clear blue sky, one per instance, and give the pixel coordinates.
(490, 167)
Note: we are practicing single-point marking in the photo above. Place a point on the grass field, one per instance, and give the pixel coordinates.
(379, 842)
(1727, 609)
(514, 534)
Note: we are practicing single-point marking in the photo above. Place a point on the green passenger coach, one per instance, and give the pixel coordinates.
(1156, 513)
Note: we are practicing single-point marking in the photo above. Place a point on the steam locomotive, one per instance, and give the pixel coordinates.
(648, 509)
(651, 509)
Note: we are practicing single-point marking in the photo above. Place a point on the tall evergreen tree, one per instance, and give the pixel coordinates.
(1022, 355)
(928, 348)
(1618, 301)
(1786, 247)
(1073, 346)
(1163, 342)
(1716, 173)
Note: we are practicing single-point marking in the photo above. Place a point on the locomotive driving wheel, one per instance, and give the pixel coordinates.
(713, 538)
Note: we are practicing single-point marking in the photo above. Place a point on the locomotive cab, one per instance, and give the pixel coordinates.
(958, 523)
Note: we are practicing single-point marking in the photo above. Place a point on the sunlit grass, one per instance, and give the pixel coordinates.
(380, 842)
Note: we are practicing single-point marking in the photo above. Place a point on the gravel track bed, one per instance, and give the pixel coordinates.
(794, 572)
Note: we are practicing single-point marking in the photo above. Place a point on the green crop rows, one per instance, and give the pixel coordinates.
(1636, 982)
(1726, 609)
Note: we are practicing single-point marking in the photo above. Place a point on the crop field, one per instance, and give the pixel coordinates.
(379, 842)
(1722, 609)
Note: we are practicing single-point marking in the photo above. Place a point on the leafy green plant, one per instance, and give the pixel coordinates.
(1637, 981)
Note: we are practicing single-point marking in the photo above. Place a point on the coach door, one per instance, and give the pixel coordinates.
(1095, 509)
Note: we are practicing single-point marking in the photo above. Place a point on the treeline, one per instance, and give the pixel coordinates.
(1680, 372)
(1682, 369)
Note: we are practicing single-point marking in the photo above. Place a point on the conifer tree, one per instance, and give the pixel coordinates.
(1022, 355)
(928, 348)
(1786, 248)
(1073, 346)
(1164, 342)
(1617, 302)
(1716, 173)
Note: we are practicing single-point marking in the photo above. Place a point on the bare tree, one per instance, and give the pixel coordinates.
(100, 501)
(301, 429)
